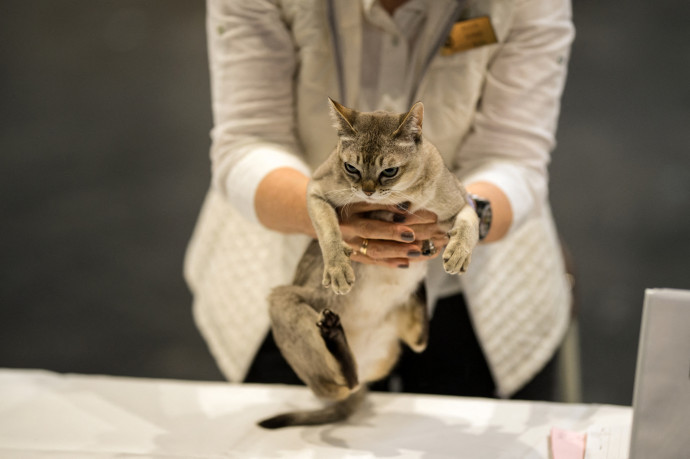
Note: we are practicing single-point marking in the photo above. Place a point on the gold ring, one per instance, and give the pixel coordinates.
(363, 247)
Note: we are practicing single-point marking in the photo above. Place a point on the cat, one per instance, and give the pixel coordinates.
(341, 337)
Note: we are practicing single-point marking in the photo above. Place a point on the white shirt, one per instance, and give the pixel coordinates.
(389, 47)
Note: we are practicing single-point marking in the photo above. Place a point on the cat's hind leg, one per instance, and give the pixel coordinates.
(413, 321)
(313, 342)
(334, 337)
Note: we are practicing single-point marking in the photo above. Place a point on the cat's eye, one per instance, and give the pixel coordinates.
(390, 172)
(351, 169)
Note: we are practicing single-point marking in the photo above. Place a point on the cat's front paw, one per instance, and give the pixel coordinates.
(339, 276)
(458, 253)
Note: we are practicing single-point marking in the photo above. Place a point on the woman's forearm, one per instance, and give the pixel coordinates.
(502, 213)
(281, 202)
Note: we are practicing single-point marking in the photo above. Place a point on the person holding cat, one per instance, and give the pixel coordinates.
(490, 74)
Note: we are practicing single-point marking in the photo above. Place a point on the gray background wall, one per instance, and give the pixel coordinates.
(104, 120)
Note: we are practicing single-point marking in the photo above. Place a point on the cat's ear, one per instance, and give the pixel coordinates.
(411, 124)
(343, 119)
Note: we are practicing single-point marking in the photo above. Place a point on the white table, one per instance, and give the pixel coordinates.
(49, 415)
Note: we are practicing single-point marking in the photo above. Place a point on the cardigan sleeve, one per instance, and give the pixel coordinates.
(252, 63)
(513, 132)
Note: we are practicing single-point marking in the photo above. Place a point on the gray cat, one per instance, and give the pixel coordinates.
(339, 338)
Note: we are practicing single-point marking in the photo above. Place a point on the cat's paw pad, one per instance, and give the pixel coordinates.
(329, 324)
(339, 277)
(457, 256)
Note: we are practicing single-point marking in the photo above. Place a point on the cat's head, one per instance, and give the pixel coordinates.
(380, 152)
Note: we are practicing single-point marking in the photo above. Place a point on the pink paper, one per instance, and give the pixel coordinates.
(566, 444)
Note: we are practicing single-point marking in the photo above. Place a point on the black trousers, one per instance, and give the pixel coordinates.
(452, 364)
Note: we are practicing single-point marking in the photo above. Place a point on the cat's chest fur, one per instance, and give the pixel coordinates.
(366, 312)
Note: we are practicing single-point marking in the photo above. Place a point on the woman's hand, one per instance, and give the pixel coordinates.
(394, 243)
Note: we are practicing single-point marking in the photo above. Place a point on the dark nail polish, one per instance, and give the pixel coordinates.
(407, 236)
(403, 266)
(413, 253)
(398, 218)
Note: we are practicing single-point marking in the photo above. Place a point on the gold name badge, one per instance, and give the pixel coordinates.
(469, 34)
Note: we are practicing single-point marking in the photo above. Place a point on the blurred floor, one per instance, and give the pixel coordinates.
(104, 160)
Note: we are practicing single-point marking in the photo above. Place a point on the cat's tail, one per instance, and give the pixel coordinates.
(335, 412)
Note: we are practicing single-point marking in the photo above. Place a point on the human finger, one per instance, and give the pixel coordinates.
(379, 249)
(433, 247)
(427, 231)
(366, 228)
(420, 216)
(388, 262)
(363, 206)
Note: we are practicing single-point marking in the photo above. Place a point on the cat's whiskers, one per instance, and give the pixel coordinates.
(344, 209)
(399, 197)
